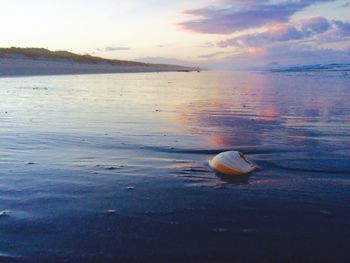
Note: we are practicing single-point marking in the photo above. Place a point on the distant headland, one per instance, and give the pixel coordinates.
(17, 61)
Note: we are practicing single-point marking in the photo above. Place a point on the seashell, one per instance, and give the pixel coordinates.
(231, 163)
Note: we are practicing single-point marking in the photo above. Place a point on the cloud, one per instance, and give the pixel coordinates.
(307, 41)
(319, 27)
(207, 44)
(266, 30)
(111, 49)
(346, 4)
(212, 55)
(237, 15)
(306, 55)
(163, 45)
(283, 54)
(165, 60)
(339, 33)
(344, 27)
(314, 25)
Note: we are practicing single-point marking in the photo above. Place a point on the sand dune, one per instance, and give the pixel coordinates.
(21, 65)
(27, 67)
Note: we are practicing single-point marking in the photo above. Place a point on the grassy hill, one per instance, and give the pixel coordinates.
(36, 53)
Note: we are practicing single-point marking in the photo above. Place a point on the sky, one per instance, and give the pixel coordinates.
(208, 33)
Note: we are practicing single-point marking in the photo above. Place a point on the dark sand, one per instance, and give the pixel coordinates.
(113, 168)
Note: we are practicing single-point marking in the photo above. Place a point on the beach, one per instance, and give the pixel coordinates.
(114, 167)
(20, 65)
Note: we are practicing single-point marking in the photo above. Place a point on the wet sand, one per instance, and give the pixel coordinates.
(106, 168)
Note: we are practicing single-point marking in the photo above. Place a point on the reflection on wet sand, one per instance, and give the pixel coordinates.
(120, 163)
(261, 110)
(256, 109)
(234, 180)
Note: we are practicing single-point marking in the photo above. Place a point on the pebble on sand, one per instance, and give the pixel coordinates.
(248, 231)
(111, 211)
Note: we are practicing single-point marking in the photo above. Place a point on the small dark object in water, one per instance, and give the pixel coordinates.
(4, 213)
(111, 168)
(111, 212)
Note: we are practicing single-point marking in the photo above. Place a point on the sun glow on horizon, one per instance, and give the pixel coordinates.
(201, 32)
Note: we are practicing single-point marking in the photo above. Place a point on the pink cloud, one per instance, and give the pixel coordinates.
(284, 32)
(284, 54)
(237, 15)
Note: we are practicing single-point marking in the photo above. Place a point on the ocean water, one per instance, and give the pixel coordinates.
(113, 168)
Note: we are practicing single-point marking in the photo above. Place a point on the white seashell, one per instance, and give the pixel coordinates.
(231, 163)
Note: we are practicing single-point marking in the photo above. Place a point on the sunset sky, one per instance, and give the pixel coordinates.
(213, 33)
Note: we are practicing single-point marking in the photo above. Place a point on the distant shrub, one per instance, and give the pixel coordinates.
(35, 53)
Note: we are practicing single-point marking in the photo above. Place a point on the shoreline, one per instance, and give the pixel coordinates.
(26, 67)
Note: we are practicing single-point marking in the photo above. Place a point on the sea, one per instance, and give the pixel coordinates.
(114, 167)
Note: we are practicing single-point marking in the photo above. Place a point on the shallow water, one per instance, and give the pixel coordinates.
(114, 167)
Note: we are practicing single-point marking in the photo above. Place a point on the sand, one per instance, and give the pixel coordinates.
(18, 65)
(114, 168)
